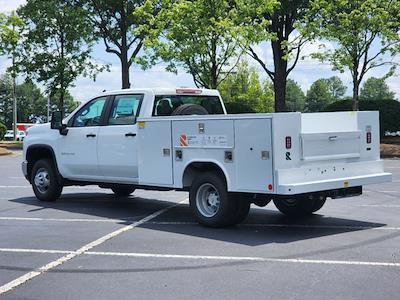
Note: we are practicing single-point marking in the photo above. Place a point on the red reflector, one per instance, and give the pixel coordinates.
(270, 187)
(369, 137)
(288, 140)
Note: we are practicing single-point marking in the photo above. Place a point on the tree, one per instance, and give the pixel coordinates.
(318, 96)
(123, 26)
(243, 91)
(10, 33)
(201, 37)
(366, 32)
(336, 87)
(295, 98)
(57, 45)
(6, 100)
(282, 26)
(376, 89)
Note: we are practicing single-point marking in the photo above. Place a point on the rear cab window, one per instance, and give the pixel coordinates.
(166, 104)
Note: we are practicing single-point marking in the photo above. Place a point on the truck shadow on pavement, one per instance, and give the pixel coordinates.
(262, 226)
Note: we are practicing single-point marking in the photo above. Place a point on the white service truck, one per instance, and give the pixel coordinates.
(182, 139)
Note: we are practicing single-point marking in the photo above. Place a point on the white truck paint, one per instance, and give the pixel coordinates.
(282, 156)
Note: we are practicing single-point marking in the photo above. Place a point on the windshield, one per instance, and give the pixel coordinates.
(165, 105)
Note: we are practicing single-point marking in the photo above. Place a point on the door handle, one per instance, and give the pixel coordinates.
(90, 135)
(130, 134)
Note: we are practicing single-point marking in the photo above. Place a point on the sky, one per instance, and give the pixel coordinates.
(305, 73)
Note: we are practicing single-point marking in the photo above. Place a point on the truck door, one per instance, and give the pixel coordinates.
(117, 143)
(77, 151)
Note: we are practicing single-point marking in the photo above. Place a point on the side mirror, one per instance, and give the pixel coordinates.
(56, 123)
(56, 120)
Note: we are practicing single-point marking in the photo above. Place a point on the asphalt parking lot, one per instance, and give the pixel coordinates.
(91, 245)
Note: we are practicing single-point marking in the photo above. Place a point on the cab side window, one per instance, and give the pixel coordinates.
(124, 110)
(90, 114)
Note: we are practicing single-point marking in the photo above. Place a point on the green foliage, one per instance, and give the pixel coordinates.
(366, 32)
(318, 96)
(57, 44)
(295, 98)
(6, 103)
(336, 87)
(123, 25)
(389, 112)
(243, 91)
(376, 89)
(3, 130)
(201, 37)
(281, 22)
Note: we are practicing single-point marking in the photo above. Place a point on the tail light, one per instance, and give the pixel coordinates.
(288, 142)
(369, 137)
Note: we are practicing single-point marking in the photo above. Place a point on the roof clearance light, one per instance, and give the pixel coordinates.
(188, 91)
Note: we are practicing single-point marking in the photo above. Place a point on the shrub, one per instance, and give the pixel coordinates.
(3, 130)
(389, 112)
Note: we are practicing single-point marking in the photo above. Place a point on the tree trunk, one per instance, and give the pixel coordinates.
(356, 86)
(125, 70)
(279, 81)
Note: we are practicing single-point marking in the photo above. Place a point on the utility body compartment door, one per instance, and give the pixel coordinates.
(155, 153)
(253, 151)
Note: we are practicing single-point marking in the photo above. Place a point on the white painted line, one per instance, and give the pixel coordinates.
(41, 251)
(24, 278)
(16, 177)
(244, 258)
(128, 219)
(72, 254)
(350, 227)
(14, 186)
(380, 205)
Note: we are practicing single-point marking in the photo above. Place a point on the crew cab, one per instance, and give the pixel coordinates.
(183, 139)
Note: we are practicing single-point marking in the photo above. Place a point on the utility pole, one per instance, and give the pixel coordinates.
(48, 108)
(14, 92)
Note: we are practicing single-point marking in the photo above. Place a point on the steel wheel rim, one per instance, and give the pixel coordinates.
(207, 200)
(42, 180)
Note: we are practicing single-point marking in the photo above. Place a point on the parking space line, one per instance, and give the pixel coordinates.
(41, 251)
(28, 276)
(129, 219)
(290, 226)
(380, 205)
(72, 254)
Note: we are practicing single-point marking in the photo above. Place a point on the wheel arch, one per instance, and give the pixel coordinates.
(196, 167)
(37, 152)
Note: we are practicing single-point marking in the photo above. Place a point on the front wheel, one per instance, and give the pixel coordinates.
(209, 201)
(45, 183)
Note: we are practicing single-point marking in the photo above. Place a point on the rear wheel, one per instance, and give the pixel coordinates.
(296, 206)
(209, 201)
(123, 191)
(44, 179)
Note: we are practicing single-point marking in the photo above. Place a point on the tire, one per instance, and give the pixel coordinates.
(190, 109)
(123, 191)
(45, 181)
(242, 209)
(318, 203)
(296, 206)
(209, 201)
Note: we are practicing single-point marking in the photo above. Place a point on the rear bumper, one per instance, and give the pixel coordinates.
(332, 184)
